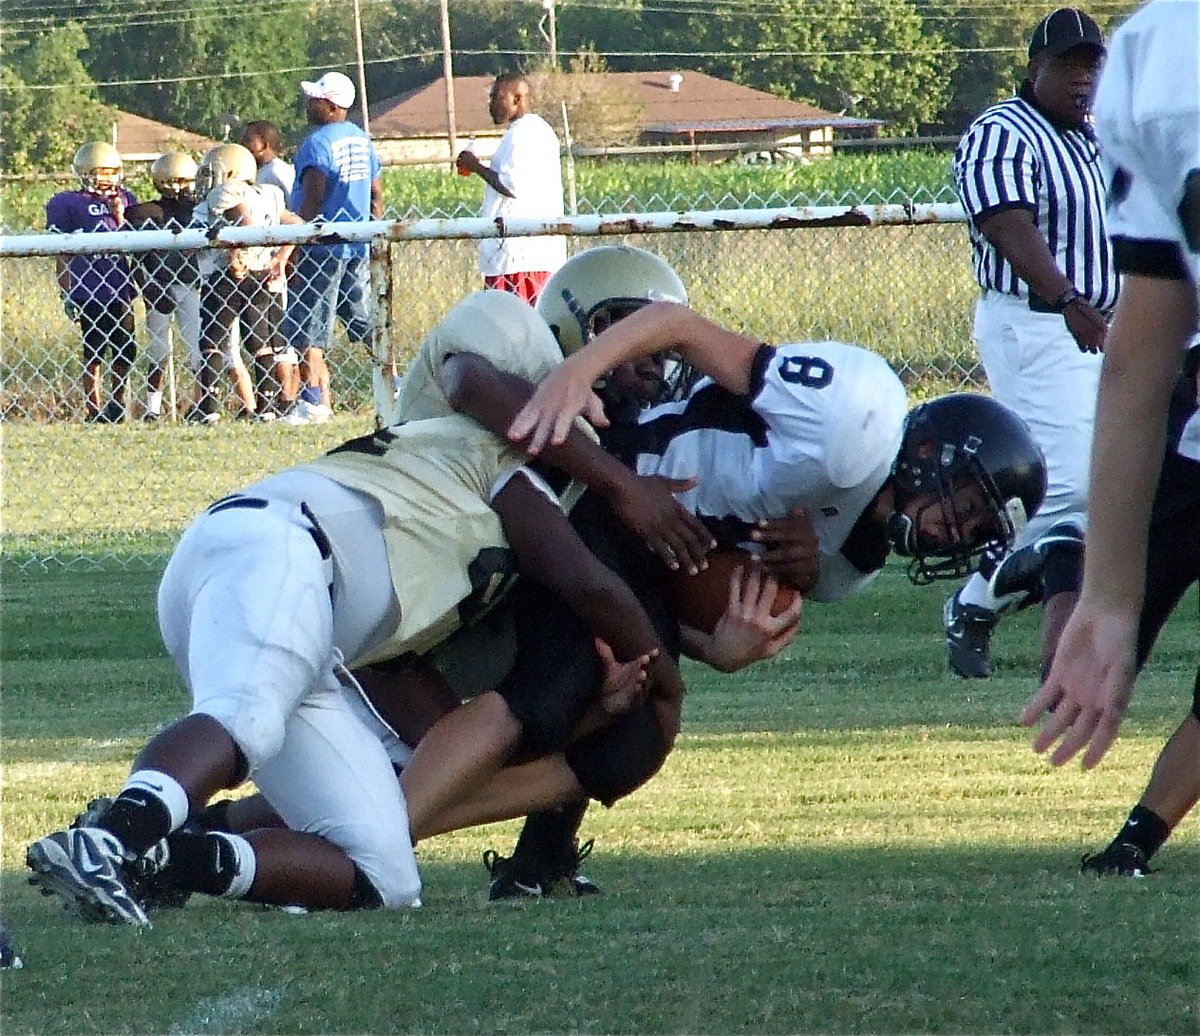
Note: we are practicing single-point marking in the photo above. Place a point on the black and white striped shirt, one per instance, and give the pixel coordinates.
(1012, 156)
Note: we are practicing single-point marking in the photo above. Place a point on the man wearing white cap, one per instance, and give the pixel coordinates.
(337, 178)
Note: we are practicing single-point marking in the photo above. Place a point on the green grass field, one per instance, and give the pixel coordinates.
(845, 840)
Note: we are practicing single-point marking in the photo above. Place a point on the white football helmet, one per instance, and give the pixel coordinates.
(99, 168)
(599, 286)
(225, 163)
(174, 174)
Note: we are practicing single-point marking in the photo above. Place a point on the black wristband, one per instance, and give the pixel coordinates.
(1060, 304)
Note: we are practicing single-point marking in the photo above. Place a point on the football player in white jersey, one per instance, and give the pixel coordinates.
(1148, 122)
(380, 548)
(818, 426)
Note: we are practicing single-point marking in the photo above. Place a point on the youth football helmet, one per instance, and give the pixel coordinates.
(174, 174)
(599, 286)
(949, 443)
(225, 163)
(99, 168)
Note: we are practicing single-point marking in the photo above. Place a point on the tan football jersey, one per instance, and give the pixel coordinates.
(448, 557)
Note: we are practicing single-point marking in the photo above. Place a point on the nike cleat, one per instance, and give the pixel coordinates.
(1120, 859)
(969, 638)
(504, 881)
(84, 866)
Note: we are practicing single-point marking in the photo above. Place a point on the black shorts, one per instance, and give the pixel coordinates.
(225, 301)
(107, 329)
(1172, 565)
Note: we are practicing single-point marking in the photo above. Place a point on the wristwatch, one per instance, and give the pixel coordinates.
(1060, 304)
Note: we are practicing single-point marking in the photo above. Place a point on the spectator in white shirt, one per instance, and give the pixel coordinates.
(524, 179)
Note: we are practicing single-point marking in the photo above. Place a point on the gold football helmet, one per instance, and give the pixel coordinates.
(225, 163)
(99, 168)
(597, 287)
(174, 174)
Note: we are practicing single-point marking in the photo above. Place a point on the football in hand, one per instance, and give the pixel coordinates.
(699, 601)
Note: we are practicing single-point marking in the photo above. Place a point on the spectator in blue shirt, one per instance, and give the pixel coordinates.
(337, 178)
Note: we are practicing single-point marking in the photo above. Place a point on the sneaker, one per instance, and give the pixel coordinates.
(114, 413)
(304, 412)
(84, 865)
(263, 416)
(150, 417)
(1121, 859)
(968, 638)
(198, 416)
(505, 883)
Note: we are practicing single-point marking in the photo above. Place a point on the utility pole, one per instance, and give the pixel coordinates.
(550, 33)
(448, 75)
(362, 72)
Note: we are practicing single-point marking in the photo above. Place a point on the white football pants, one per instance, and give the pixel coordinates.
(246, 613)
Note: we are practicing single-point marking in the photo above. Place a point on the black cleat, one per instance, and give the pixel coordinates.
(1120, 859)
(1021, 571)
(968, 638)
(505, 883)
(84, 866)
(510, 880)
(148, 877)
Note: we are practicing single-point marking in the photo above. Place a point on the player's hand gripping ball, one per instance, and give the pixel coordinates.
(699, 601)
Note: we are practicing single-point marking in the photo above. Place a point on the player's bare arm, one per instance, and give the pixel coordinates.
(1013, 232)
(476, 387)
(566, 392)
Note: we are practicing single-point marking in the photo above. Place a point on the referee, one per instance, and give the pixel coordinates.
(1028, 174)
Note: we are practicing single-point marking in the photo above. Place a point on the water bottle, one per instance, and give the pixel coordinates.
(463, 170)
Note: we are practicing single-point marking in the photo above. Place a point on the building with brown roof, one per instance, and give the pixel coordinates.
(142, 140)
(644, 108)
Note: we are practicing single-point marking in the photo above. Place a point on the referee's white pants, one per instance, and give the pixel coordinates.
(245, 612)
(1035, 368)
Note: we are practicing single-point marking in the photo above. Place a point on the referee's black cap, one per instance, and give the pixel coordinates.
(1064, 29)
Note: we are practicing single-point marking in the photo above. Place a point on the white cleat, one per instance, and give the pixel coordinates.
(84, 866)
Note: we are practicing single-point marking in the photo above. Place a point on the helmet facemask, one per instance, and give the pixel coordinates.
(103, 181)
(972, 528)
(99, 168)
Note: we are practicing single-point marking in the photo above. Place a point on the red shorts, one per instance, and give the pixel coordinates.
(525, 284)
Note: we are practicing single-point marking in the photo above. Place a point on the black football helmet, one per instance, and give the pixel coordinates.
(947, 444)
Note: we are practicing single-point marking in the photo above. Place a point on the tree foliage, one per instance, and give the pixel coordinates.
(42, 128)
(917, 64)
(208, 61)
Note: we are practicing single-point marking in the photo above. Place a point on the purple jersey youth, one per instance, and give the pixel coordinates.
(94, 278)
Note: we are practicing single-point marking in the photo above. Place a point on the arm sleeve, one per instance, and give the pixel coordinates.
(837, 405)
(994, 170)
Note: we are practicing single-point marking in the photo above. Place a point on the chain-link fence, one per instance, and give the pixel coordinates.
(894, 278)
